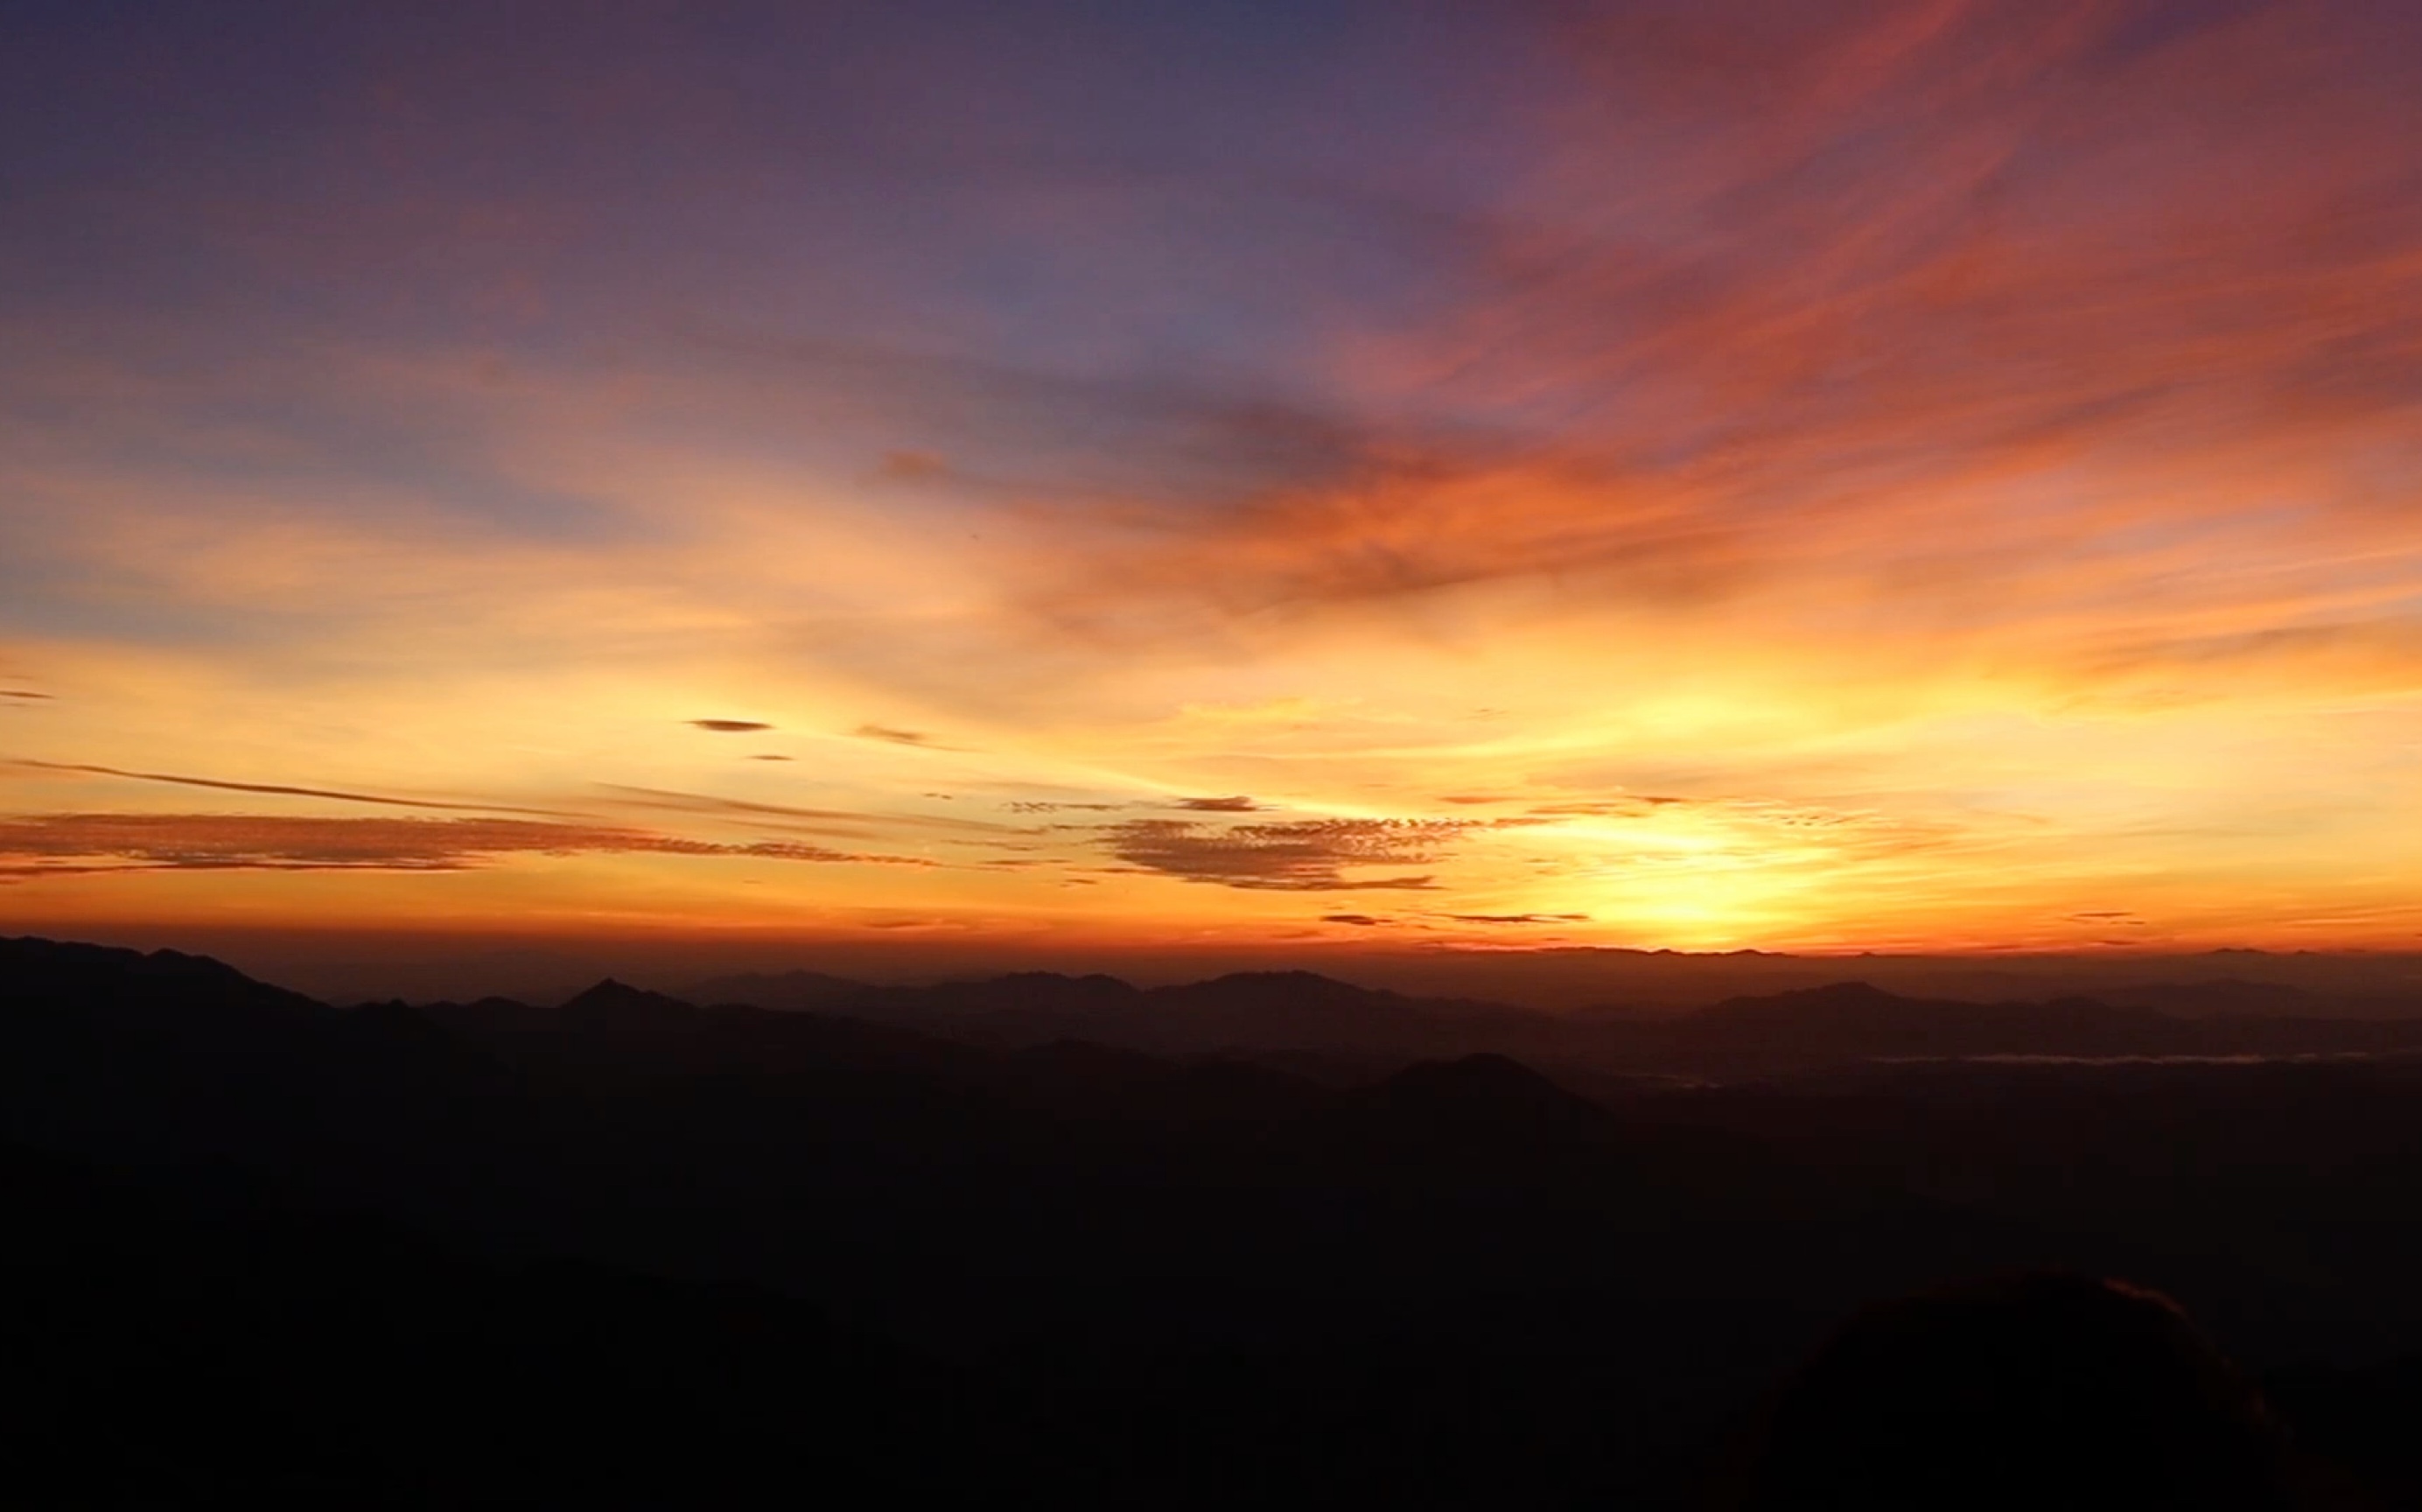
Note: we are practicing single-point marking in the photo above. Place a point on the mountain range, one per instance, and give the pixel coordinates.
(1177, 1270)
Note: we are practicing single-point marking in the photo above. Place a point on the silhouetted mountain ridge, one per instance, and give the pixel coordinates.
(1282, 1012)
(1254, 1010)
(44, 972)
(1479, 1090)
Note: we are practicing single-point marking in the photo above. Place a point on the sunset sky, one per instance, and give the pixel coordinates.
(1927, 474)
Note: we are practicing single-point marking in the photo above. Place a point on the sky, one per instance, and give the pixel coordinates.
(1919, 475)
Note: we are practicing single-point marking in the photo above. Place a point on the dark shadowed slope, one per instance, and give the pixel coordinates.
(2024, 1392)
(194, 1346)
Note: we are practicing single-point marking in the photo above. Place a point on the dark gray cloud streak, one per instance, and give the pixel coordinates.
(1302, 855)
(891, 736)
(283, 790)
(77, 843)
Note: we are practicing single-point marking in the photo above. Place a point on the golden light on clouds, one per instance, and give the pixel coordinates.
(1912, 476)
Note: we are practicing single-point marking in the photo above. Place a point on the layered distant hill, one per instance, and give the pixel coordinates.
(792, 990)
(1853, 1020)
(1267, 1013)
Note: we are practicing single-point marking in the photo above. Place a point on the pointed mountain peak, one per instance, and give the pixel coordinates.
(615, 996)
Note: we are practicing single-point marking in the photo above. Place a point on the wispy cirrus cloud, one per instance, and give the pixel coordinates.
(1890, 307)
(700, 803)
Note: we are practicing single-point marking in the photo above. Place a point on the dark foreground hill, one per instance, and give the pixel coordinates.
(189, 1344)
(498, 1229)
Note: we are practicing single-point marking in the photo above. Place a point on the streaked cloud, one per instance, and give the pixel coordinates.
(279, 789)
(700, 803)
(66, 843)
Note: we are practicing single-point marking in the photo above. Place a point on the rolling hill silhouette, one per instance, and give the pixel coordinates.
(1853, 1019)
